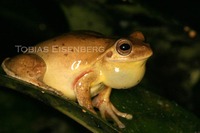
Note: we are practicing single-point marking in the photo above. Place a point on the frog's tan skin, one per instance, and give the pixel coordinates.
(102, 64)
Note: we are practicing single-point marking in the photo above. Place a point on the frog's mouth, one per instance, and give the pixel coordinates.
(143, 59)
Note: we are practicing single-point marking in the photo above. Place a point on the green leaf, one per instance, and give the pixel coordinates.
(151, 113)
(67, 107)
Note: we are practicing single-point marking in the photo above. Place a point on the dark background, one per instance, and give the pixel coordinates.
(173, 72)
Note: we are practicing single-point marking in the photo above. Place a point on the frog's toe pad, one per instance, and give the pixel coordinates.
(121, 114)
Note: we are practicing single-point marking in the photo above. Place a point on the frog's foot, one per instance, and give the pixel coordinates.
(107, 109)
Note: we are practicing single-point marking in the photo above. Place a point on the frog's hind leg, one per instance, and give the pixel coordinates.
(27, 67)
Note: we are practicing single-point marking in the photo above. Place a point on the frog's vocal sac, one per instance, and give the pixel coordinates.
(83, 64)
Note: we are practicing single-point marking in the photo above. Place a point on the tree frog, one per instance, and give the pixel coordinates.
(84, 66)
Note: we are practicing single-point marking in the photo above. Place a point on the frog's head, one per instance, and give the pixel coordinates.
(123, 64)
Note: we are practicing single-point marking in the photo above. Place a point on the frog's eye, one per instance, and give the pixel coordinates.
(124, 47)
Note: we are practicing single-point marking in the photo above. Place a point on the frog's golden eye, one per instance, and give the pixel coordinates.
(124, 47)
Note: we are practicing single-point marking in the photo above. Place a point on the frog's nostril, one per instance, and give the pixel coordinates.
(109, 54)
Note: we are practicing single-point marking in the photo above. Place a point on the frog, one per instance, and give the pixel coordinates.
(84, 66)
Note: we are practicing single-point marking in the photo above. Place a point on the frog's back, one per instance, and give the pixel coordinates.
(85, 46)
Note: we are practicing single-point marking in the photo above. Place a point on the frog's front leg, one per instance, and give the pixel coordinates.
(102, 102)
(82, 90)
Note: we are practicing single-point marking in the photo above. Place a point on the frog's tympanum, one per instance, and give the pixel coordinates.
(84, 65)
